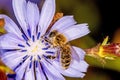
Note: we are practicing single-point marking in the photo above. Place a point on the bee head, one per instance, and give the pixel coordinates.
(53, 33)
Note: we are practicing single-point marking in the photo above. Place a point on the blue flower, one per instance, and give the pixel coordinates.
(25, 48)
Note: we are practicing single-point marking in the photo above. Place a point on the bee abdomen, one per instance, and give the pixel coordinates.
(65, 60)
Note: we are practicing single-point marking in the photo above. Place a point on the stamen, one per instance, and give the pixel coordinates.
(24, 37)
(43, 70)
(17, 66)
(25, 57)
(45, 56)
(33, 38)
(30, 64)
(39, 57)
(38, 36)
(31, 58)
(45, 37)
(36, 64)
(46, 44)
(24, 74)
(49, 52)
(28, 44)
(20, 45)
(8, 50)
(44, 48)
(42, 41)
(29, 33)
(24, 51)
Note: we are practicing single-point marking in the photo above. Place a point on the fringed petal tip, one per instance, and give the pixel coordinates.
(80, 65)
(80, 52)
(76, 31)
(63, 23)
(70, 72)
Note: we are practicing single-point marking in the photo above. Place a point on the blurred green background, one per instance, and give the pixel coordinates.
(103, 18)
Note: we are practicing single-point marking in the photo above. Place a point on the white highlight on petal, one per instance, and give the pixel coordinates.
(73, 73)
(75, 55)
(12, 59)
(75, 31)
(10, 41)
(81, 66)
(19, 7)
(10, 26)
(46, 16)
(80, 52)
(53, 71)
(47, 73)
(63, 23)
(70, 72)
(21, 70)
(32, 16)
(39, 73)
(29, 75)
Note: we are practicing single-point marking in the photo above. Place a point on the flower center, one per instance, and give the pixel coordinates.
(37, 48)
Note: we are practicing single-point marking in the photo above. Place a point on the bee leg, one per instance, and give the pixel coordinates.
(50, 57)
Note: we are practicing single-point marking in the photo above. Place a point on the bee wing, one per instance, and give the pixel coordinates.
(74, 54)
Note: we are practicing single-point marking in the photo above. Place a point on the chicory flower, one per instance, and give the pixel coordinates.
(25, 48)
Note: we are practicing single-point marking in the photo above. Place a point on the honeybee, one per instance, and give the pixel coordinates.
(59, 40)
(65, 56)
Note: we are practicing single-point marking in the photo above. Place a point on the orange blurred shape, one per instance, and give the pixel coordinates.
(116, 38)
(5, 68)
(2, 22)
(3, 75)
(56, 17)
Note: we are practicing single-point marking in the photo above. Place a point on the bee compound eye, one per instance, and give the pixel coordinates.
(52, 34)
